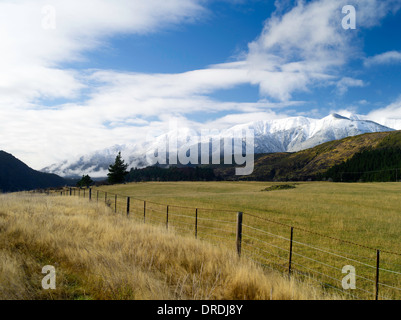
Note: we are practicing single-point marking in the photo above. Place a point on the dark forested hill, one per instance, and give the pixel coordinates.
(17, 176)
(380, 163)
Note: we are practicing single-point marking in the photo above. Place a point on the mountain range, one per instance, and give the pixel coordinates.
(270, 137)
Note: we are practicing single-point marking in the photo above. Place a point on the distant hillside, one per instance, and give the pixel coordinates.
(315, 162)
(17, 176)
(379, 163)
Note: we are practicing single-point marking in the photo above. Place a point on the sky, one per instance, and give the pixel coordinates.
(79, 76)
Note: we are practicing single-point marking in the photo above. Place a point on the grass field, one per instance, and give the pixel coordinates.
(100, 255)
(366, 215)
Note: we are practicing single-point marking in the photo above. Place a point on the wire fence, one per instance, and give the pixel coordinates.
(351, 269)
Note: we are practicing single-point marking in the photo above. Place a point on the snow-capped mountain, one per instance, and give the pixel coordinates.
(282, 135)
(300, 133)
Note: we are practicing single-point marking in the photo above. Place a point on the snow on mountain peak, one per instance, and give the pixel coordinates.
(337, 116)
(278, 135)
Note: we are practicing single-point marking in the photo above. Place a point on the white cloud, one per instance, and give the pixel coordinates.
(389, 116)
(306, 46)
(347, 82)
(31, 55)
(241, 118)
(31, 69)
(370, 12)
(298, 49)
(390, 57)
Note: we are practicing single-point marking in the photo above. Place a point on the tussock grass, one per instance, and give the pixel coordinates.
(364, 214)
(102, 255)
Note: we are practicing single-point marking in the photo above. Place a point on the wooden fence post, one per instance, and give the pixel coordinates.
(90, 194)
(167, 219)
(239, 232)
(290, 258)
(196, 223)
(97, 195)
(144, 211)
(377, 274)
(115, 203)
(105, 197)
(128, 203)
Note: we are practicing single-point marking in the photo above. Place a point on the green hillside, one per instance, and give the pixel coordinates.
(313, 164)
(381, 163)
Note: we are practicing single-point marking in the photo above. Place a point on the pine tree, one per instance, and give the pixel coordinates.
(85, 181)
(117, 171)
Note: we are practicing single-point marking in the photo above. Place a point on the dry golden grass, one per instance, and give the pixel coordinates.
(102, 255)
(364, 215)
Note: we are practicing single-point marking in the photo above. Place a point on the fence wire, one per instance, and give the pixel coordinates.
(268, 243)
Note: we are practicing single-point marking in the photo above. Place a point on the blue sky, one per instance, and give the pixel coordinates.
(224, 34)
(86, 79)
(218, 36)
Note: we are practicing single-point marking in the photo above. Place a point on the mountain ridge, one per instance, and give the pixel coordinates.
(17, 176)
(271, 136)
(314, 163)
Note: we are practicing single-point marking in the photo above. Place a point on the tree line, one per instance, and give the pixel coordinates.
(378, 165)
(118, 174)
(171, 174)
(373, 165)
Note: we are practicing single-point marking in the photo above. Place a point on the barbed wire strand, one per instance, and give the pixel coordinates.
(326, 284)
(212, 228)
(268, 252)
(323, 274)
(322, 235)
(265, 232)
(269, 244)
